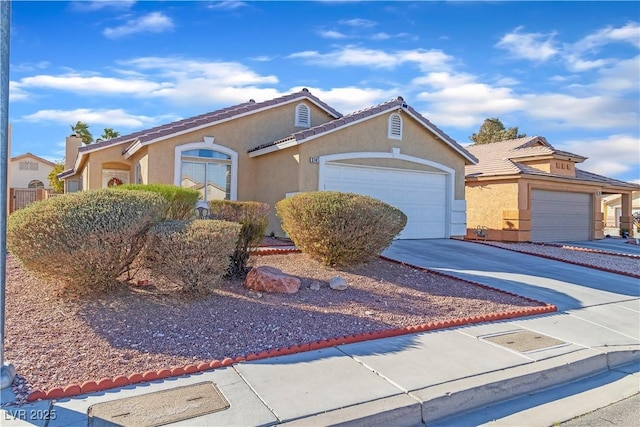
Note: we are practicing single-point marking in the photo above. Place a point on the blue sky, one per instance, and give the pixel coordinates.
(568, 71)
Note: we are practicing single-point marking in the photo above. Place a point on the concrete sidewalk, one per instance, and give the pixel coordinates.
(418, 378)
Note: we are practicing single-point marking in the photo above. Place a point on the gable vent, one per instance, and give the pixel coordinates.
(395, 126)
(303, 116)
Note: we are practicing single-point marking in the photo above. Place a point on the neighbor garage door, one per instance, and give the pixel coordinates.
(420, 195)
(560, 216)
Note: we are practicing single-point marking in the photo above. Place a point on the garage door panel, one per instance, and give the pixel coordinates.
(560, 216)
(420, 195)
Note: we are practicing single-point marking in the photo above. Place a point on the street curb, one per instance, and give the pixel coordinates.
(103, 384)
(439, 402)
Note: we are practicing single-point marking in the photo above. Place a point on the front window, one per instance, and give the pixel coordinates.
(207, 171)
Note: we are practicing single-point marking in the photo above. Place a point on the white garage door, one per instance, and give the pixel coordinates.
(560, 216)
(420, 195)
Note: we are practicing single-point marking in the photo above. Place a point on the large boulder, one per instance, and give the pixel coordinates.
(270, 279)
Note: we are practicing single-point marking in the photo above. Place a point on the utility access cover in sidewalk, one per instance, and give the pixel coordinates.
(524, 341)
(159, 408)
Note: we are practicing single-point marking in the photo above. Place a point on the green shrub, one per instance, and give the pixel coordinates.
(85, 239)
(339, 229)
(181, 201)
(193, 253)
(253, 218)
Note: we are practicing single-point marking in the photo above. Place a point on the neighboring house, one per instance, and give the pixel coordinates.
(526, 190)
(612, 210)
(28, 180)
(265, 151)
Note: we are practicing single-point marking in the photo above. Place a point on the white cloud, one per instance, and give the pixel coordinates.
(330, 34)
(364, 57)
(262, 58)
(591, 112)
(575, 53)
(531, 46)
(155, 22)
(458, 100)
(90, 84)
(629, 33)
(111, 118)
(622, 77)
(16, 93)
(90, 6)
(610, 156)
(350, 99)
(359, 22)
(381, 36)
(227, 5)
(224, 73)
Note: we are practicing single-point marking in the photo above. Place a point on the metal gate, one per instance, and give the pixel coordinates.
(21, 197)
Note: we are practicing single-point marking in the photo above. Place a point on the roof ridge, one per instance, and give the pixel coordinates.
(225, 112)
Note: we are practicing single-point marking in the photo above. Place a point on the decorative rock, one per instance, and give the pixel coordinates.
(337, 283)
(270, 279)
(315, 285)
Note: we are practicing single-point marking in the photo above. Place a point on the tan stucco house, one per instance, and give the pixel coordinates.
(525, 190)
(266, 151)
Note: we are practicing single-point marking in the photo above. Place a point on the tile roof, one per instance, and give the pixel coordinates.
(28, 154)
(207, 118)
(227, 113)
(501, 159)
(363, 114)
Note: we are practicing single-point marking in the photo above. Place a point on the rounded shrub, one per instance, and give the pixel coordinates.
(252, 216)
(339, 229)
(194, 253)
(181, 202)
(85, 239)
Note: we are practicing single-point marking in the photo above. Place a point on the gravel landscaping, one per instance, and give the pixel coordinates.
(54, 341)
(625, 264)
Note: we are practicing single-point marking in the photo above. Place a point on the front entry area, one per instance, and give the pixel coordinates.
(422, 196)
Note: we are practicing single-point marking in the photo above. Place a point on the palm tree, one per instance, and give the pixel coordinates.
(81, 129)
(108, 133)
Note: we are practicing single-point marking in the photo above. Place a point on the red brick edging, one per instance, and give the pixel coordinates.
(122, 381)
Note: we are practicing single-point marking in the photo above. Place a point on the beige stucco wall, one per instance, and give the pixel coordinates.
(239, 135)
(486, 202)
(504, 206)
(21, 178)
(372, 135)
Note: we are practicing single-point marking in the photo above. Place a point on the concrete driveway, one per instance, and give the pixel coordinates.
(566, 285)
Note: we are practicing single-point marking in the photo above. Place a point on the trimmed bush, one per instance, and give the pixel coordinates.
(193, 253)
(253, 218)
(85, 239)
(181, 201)
(339, 229)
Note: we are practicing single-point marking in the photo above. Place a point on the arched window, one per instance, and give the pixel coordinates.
(303, 116)
(207, 171)
(36, 184)
(395, 126)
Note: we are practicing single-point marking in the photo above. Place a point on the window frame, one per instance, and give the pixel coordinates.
(207, 144)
